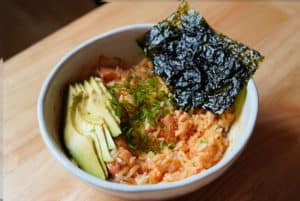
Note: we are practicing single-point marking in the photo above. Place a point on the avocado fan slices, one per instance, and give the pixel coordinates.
(91, 124)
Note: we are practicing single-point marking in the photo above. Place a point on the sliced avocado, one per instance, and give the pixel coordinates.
(82, 151)
(92, 111)
(95, 108)
(88, 129)
(82, 126)
(99, 82)
(99, 151)
(90, 124)
(103, 144)
(78, 89)
(110, 142)
(96, 84)
(80, 147)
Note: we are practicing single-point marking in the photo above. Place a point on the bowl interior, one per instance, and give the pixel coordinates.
(80, 62)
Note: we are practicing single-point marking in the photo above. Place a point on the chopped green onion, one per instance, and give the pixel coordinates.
(161, 144)
(131, 146)
(171, 145)
(148, 101)
(165, 111)
(203, 141)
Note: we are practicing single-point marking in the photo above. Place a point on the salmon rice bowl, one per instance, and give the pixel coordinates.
(166, 117)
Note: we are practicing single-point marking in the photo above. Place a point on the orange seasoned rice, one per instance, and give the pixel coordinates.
(199, 137)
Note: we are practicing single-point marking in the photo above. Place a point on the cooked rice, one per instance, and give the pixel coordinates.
(200, 138)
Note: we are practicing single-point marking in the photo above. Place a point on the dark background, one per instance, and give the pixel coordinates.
(24, 22)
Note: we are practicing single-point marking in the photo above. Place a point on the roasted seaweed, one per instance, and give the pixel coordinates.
(203, 68)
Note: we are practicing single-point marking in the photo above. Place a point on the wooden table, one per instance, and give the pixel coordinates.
(269, 168)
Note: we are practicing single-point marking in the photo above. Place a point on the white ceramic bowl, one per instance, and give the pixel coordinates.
(122, 43)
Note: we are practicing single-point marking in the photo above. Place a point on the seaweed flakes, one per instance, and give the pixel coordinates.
(203, 68)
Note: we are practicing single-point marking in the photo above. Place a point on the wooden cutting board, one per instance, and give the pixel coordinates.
(267, 170)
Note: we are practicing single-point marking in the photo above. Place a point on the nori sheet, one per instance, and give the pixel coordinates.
(203, 68)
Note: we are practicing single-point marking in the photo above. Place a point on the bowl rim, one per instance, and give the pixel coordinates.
(108, 185)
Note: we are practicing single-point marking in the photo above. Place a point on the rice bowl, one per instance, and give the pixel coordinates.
(85, 55)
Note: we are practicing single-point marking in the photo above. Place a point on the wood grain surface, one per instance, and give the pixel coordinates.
(268, 169)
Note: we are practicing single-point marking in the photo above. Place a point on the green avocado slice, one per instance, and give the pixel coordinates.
(103, 144)
(90, 125)
(88, 129)
(80, 147)
(97, 85)
(91, 130)
(110, 142)
(95, 108)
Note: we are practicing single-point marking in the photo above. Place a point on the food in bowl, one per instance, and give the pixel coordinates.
(167, 117)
